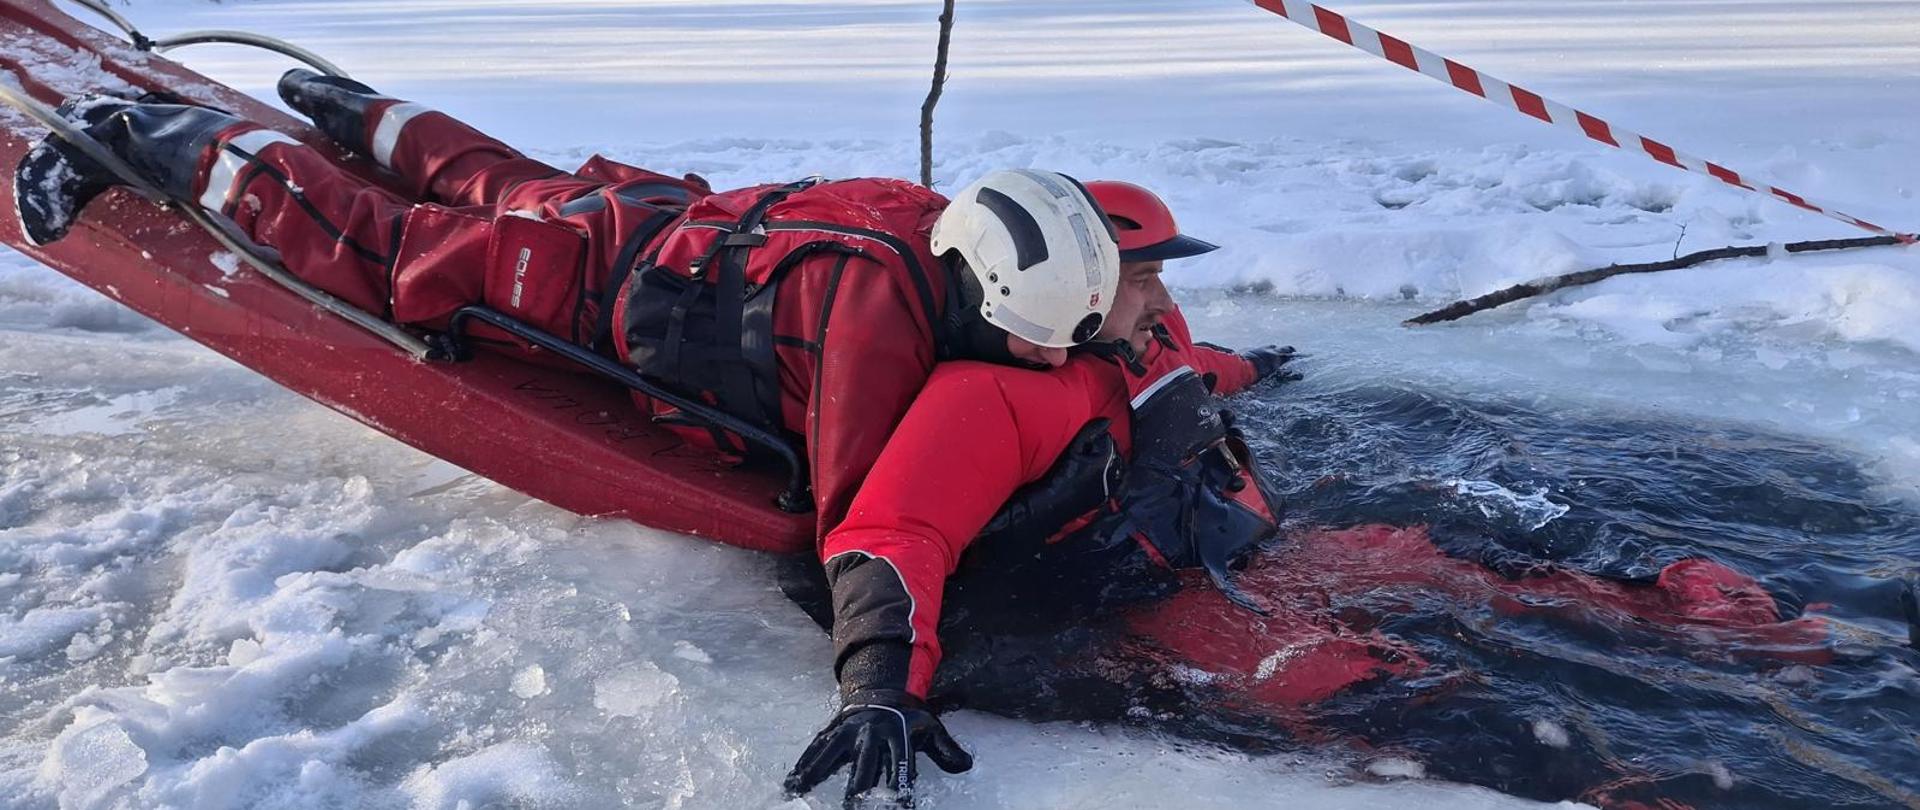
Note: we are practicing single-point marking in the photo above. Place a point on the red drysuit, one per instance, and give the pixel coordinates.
(978, 432)
(481, 223)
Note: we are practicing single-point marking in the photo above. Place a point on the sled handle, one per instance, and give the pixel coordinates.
(280, 46)
(453, 346)
(142, 42)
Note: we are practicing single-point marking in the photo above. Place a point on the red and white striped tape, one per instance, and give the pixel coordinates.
(1518, 98)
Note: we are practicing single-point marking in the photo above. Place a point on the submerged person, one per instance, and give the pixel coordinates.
(815, 308)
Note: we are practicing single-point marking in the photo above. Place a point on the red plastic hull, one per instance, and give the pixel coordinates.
(563, 438)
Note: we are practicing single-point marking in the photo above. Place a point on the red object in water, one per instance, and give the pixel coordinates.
(571, 440)
(1324, 590)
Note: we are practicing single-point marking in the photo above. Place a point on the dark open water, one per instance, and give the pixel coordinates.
(1532, 705)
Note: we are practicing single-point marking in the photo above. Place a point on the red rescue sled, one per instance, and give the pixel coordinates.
(570, 439)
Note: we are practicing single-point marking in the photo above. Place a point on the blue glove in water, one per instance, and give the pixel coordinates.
(881, 734)
(1271, 361)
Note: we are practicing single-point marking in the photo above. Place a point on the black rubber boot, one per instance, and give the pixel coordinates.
(54, 181)
(337, 105)
(161, 142)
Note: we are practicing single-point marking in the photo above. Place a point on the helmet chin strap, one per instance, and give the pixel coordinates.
(1119, 350)
(980, 340)
(973, 337)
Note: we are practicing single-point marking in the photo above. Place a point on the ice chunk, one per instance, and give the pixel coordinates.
(1397, 768)
(686, 650)
(630, 692)
(1201, 677)
(1551, 734)
(43, 630)
(227, 261)
(1494, 501)
(530, 682)
(83, 647)
(243, 651)
(513, 774)
(90, 760)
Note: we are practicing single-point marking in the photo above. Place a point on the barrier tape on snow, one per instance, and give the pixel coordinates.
(1517, 98)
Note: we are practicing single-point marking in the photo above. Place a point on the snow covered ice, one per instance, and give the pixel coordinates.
(216, 594)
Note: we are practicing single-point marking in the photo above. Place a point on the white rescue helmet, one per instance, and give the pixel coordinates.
(1041, 250)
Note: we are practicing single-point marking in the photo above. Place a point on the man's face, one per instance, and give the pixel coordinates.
(1138, 305)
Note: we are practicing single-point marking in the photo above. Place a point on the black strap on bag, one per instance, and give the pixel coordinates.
(757, 344)
(672, 356)
(705, 331)
(741, 358)
(623, 267)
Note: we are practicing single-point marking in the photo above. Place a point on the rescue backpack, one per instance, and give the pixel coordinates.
(696, 310)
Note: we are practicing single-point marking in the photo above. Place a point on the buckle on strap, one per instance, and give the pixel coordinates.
(750, 239)
(1226, 453)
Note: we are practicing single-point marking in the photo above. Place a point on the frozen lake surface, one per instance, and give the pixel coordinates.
(216, 594)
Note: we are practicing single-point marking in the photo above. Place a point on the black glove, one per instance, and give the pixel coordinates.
(880, 734)
(1271, 361)
(1089, 472)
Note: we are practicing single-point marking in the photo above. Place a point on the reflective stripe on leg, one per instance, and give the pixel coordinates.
(234, 156)
(386, 135)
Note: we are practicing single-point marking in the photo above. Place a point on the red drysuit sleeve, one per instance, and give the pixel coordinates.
(1231, 372)
(876, 351)
(976, 433)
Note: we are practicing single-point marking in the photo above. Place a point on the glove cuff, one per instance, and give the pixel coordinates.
(877, 666)
(891, 698)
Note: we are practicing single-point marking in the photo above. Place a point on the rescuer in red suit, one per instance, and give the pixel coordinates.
(1135, 498)
(981, 436)
(679, 282)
